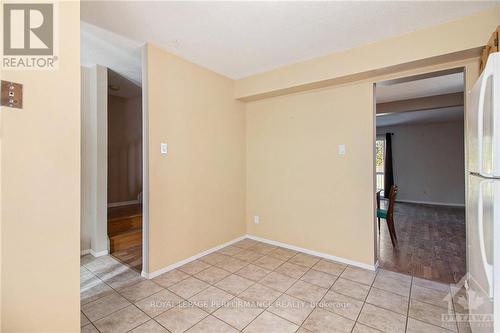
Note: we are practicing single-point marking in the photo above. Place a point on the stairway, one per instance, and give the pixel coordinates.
(125, 232)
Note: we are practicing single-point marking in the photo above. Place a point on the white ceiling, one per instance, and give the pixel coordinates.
(102, 47)
(422, 117)
(438, 85)
(238, 39)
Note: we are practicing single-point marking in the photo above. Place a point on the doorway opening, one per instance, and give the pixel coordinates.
(420, 175)
(124, 225)
(113, 160)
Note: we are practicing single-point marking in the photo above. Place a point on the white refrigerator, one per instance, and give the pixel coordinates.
(483, 199)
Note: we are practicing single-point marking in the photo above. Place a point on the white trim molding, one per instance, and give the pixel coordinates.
(145, 159)
(84, 252)
(315, 253)
(123, 203)
(99, 254)
(188, 260)
(263, 240)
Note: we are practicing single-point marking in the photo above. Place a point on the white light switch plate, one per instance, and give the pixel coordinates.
(164, 148)
(342, 150)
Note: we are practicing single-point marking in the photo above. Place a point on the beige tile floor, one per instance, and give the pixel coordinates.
(255, 287)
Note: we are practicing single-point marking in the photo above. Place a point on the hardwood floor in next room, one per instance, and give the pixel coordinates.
(431, 242)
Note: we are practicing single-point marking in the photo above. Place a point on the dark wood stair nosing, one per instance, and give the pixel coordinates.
(126, 232)
(119, 218)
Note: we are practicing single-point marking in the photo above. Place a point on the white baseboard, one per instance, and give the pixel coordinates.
(432, 203)
(99, 254)
(84, 252)
(263, 240)
(315, 253)
(188, 260)
(123, 203)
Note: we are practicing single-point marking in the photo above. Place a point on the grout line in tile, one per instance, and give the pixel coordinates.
(92, 300)
(140, 323)
(186, 300)
(433, 324)
(428, 303)
(327, 291)
(84, 316)
(98, 330)
(454, 309)
(115, 290)
(345, 278)
(364, 302)
(441, 327)
(210, 285)
(109, 314)
(284, 293)
(409, 300)
(253, 283)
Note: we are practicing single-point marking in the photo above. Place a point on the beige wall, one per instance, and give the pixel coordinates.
(204, 130)
(197, 191)
(409, 50)
(124, 148)
(40, 175)
(304, 192)
(428, 162)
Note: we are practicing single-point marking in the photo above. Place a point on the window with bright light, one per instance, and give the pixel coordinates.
(379, 163)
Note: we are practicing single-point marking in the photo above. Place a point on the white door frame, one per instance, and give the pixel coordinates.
(145, 164)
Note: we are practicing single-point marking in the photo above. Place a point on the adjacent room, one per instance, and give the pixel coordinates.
(420, 175)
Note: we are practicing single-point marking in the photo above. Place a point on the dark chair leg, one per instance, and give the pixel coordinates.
(392, 231)
(378, 218)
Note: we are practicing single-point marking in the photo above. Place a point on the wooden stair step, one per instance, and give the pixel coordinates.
(125, 240)
(122, 224)
(112, 219)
